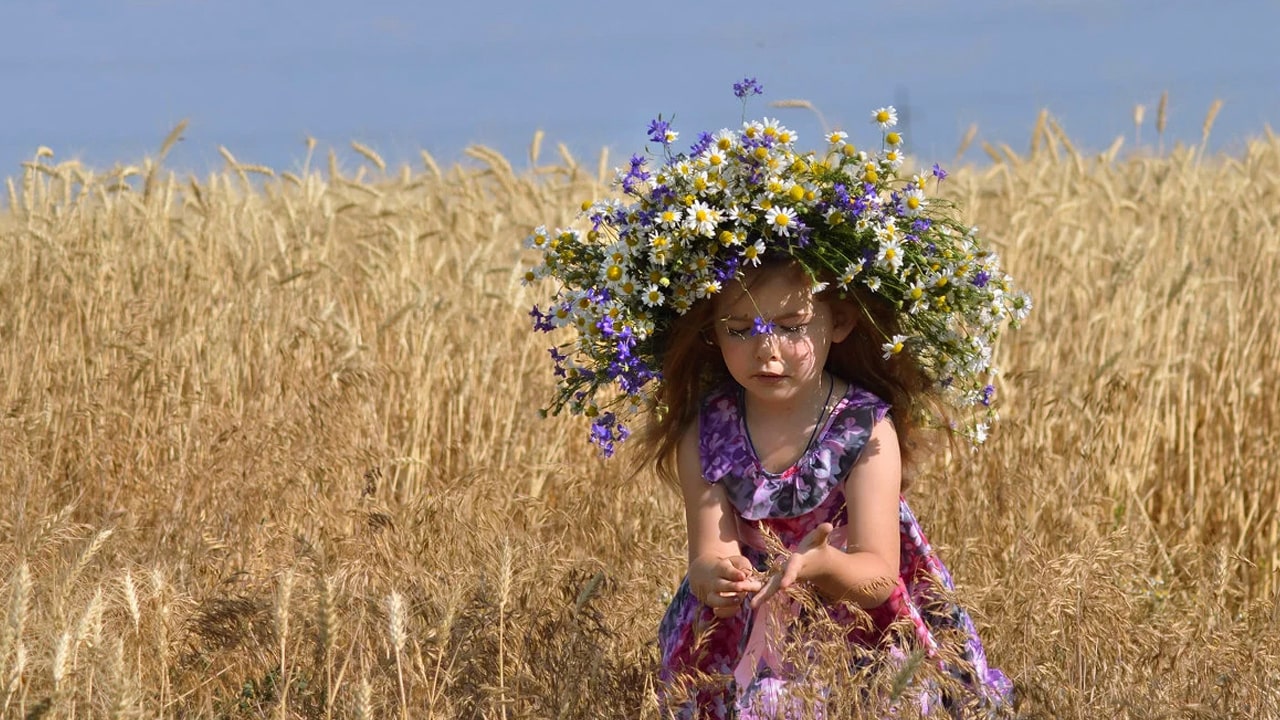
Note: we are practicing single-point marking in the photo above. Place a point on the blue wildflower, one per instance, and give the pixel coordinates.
(760, 326)
(541, 320)
(939, 173)
(704, 141)
(660, 131)
(748, 86)
(980, 280)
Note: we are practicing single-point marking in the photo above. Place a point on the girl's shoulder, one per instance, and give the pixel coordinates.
(721, 406)
(724, 446)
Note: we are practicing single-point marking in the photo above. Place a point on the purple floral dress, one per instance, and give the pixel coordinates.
(751, 683)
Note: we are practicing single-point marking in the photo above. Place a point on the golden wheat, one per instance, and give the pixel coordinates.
(210, 385)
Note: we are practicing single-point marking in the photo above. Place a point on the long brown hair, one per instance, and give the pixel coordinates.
(692, 365)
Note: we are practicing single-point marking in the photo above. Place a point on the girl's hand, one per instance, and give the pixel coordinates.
(721, 583)
(798, 566)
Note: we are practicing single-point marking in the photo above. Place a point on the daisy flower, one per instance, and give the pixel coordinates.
(724, 140)
(890, 254)
(652, 296)
(913, 201)
(885, 117)
(850, 274)
(781, 220)
(752, 252)
(702, 219)
(896, 344)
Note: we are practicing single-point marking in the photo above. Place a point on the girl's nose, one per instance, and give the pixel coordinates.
(766, 346)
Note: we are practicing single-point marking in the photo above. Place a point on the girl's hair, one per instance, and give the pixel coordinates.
(692, 366)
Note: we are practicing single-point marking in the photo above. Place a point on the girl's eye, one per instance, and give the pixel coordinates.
(793, 329)
(738, 333)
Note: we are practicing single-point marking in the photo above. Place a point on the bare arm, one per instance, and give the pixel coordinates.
(718, 573)
(866, 571)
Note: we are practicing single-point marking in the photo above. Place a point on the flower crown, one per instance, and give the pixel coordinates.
(682, 231)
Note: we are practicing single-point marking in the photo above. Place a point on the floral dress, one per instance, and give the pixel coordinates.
(739, 650)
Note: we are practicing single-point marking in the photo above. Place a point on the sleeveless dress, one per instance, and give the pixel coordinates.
(741, 651)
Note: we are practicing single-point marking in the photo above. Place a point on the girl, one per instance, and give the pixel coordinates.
(783, 443)
(788, 321)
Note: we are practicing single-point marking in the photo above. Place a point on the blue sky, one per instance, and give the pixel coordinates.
(105, 81)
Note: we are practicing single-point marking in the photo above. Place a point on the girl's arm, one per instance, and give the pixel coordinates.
(718, 573)
(867, 570)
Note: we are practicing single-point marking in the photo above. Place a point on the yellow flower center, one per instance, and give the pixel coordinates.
(781, 219)
(893, 138)
(913, 203)
(761, 153)
(882, 116)
(613, 274)
(797, 193)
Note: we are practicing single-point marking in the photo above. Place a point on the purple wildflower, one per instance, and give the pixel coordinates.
(748, 86)
(939, 173)
(704, 141)
(559, 359)
(541, 320)
(605, 430)
(760, 326)
(658, 131)
(636, 174)
(728, 270)
(980, 280)
(988, 393)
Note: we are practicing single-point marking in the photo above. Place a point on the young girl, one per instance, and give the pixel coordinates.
(792, 443)
(789, 321)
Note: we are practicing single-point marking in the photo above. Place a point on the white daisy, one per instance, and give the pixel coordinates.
(885, 117)
(781, 219)
(669, 217)
(896, 344)
(751, 253)
(913, 201)
(890, 254)
(702, 219)
(652, 296)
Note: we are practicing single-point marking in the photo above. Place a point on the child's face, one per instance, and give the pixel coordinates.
(785, 365)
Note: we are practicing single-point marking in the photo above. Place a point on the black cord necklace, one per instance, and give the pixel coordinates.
(822, 413)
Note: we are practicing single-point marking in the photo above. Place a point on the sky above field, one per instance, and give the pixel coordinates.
(105, 81)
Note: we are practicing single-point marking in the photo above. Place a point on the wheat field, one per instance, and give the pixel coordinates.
(270, 446)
